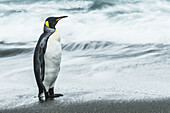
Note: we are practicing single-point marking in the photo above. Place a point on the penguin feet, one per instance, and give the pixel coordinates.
(54, 96)
(50, 94)
(40, 96)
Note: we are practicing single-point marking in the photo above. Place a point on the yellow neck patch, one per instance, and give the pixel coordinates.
(47, 23)
(55, 30)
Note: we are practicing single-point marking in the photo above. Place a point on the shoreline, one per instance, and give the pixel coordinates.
(95, 106)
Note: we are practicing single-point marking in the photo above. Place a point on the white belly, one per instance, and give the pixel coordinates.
(52, 59)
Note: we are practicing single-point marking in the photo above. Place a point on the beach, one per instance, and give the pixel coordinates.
(102, 106)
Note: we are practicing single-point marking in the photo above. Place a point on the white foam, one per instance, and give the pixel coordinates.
(143, 22)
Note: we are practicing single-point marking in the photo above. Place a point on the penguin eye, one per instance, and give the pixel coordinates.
(47, 23)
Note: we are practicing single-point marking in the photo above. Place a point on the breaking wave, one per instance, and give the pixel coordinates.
(14, 51)
(119, 21)
(87, 45)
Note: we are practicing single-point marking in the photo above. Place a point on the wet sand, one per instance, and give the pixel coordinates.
(99, 106)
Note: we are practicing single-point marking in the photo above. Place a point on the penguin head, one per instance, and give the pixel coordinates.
(52, 21)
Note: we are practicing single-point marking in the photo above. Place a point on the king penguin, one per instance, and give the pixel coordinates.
(47, 58)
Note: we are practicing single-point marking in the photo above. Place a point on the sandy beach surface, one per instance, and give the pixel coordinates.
(98, 106)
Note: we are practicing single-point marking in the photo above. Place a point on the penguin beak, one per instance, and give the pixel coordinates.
(59, 18)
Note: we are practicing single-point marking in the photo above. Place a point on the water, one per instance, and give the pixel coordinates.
(112, 49)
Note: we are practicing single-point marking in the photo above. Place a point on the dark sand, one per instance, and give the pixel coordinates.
(100, 106)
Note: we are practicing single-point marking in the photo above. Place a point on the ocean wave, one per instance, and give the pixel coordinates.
(118, 55)
(119, 21)
(96, 49)
(92, 45)
(10, 12)
(100, 4)
(17, 48)
(111, 51)
(71, 9)
(14, 51)
(15, 43)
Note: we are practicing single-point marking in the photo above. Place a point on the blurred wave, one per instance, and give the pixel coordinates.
(94, 49)
(100, 4)
(87, 45)
(119, 21)
(14, 51)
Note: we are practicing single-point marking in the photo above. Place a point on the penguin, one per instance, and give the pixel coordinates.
(47, 58)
